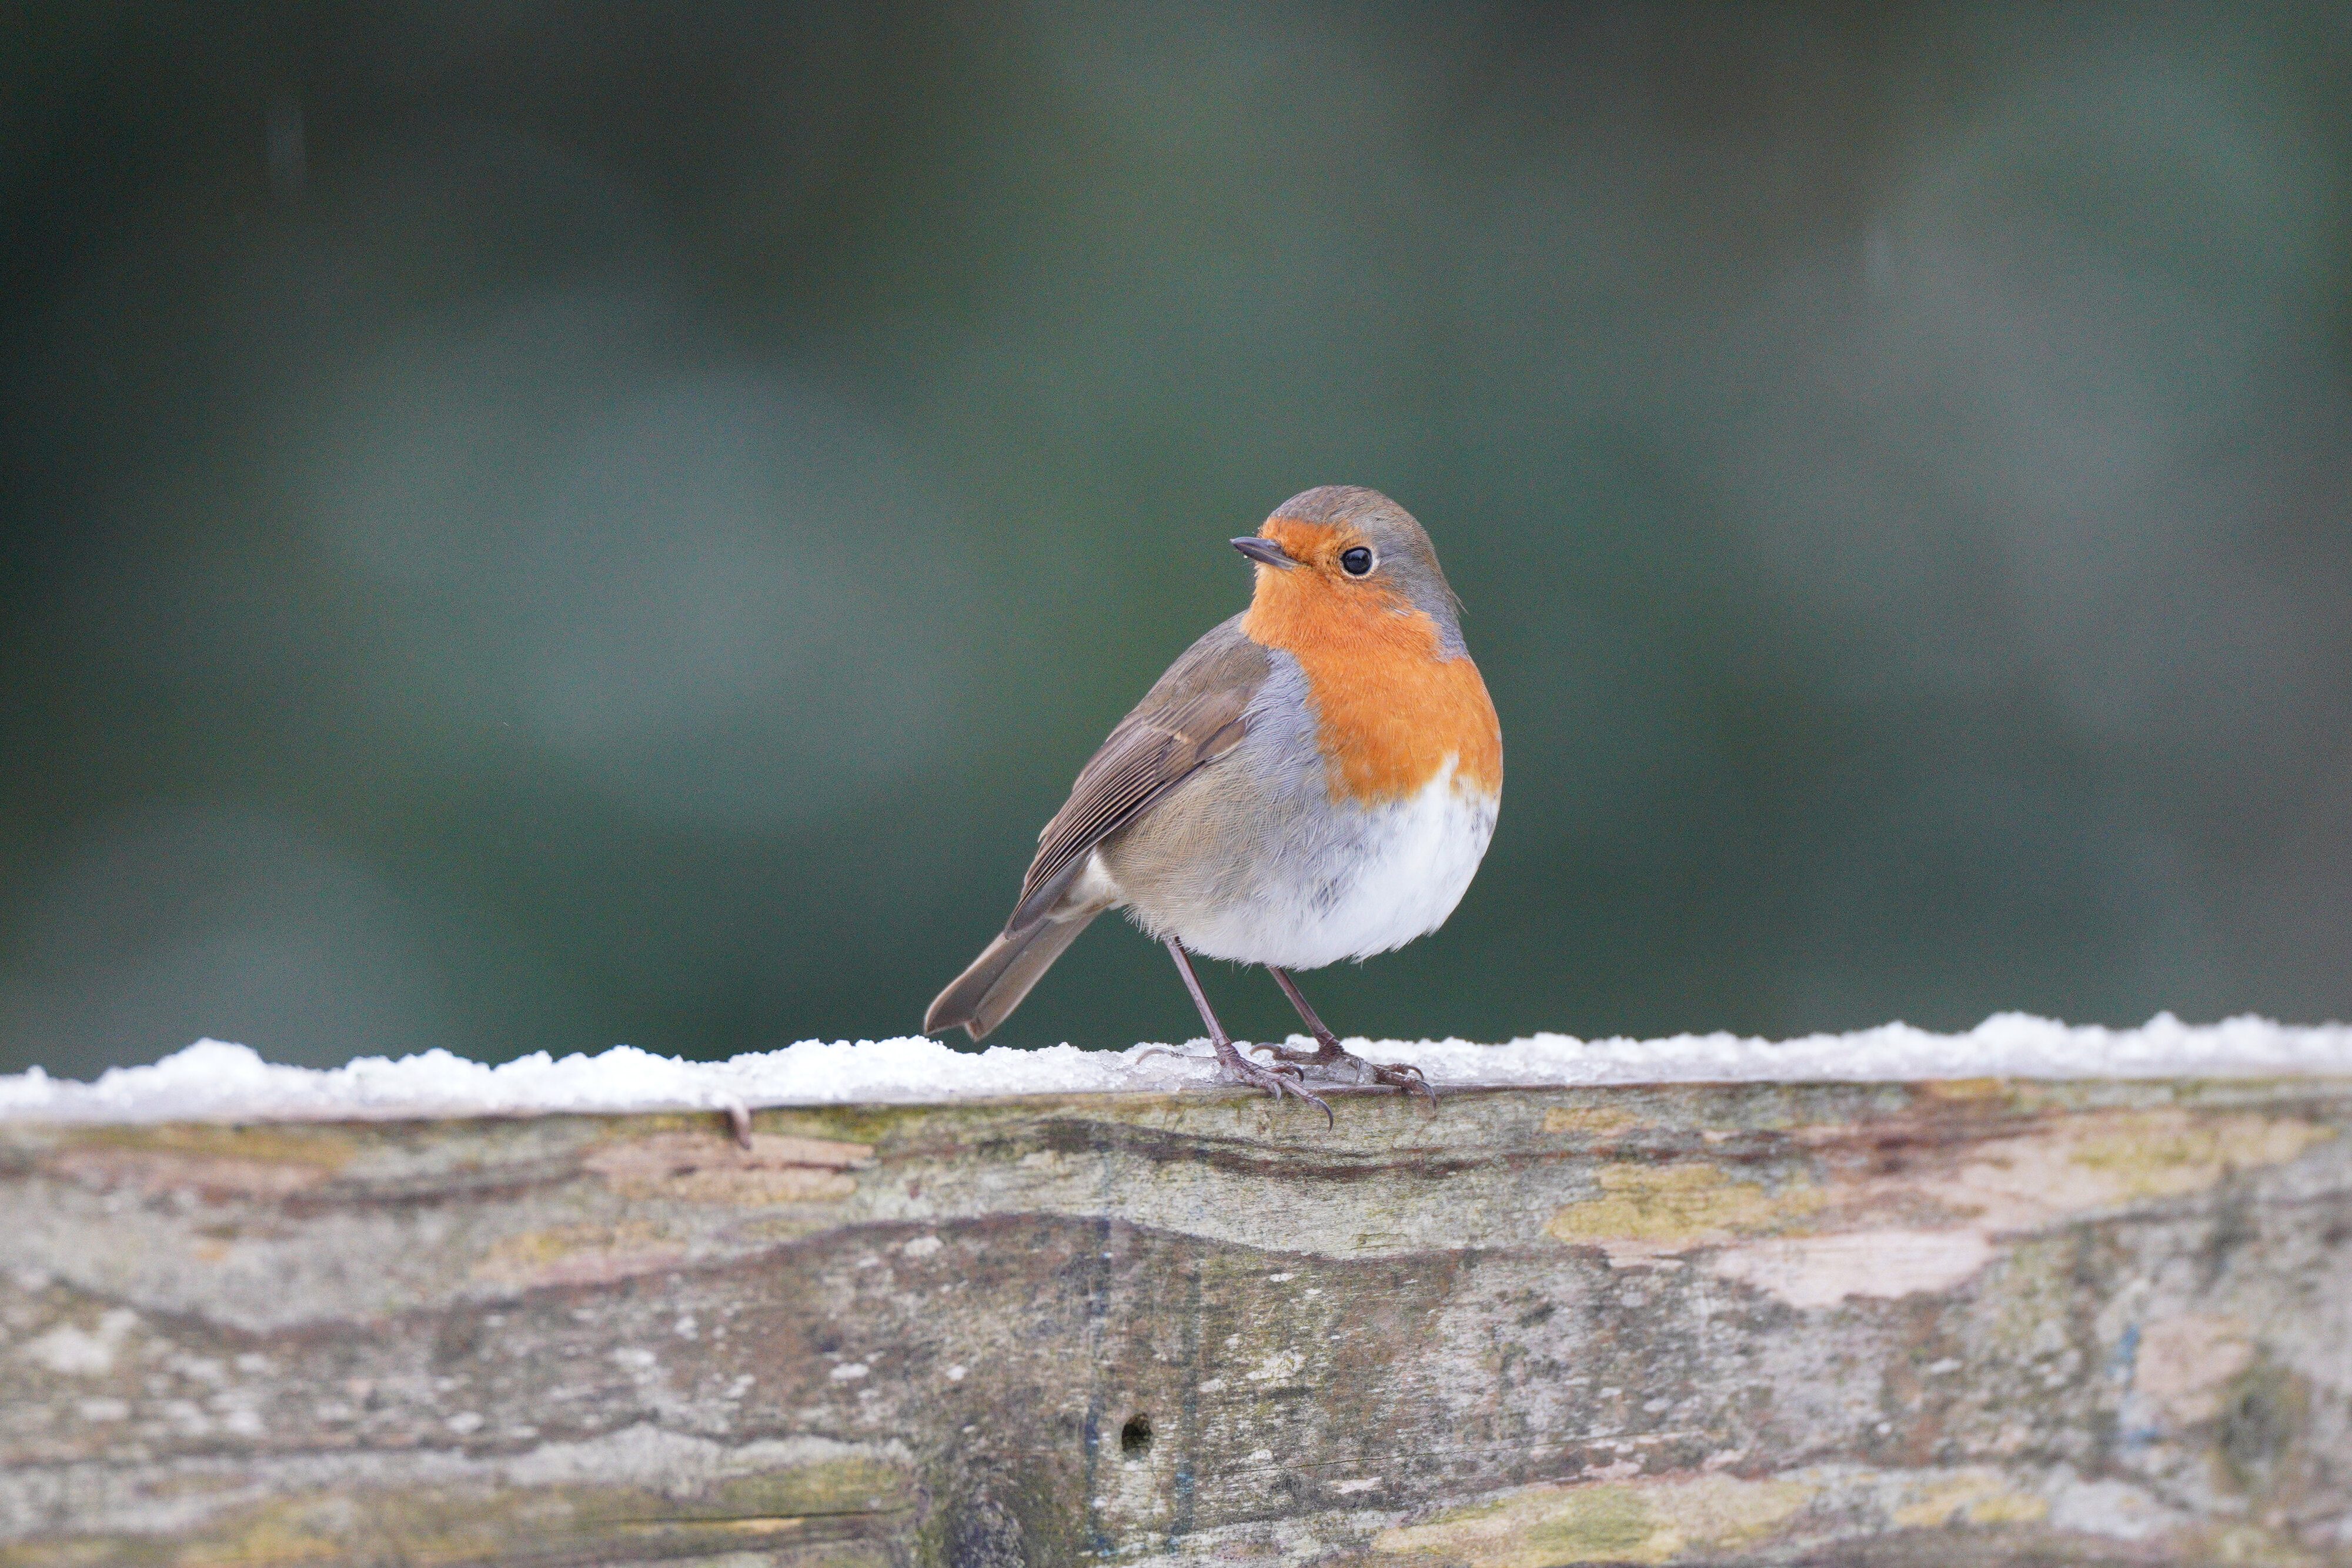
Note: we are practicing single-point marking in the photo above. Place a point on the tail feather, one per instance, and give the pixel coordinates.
(984, 995)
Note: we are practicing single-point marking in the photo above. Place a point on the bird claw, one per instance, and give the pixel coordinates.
(1281, 1067)
(1165, 1050)
(1348, 1067)
(1405, 1076)
(1277, 1081)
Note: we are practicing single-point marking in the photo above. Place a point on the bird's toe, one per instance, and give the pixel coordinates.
(1278, 1080)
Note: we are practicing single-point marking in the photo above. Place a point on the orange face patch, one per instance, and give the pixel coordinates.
(1393, 706)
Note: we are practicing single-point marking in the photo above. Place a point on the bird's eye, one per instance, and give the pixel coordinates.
(1356, 562)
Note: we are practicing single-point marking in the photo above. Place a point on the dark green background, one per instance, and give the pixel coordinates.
(532, 525)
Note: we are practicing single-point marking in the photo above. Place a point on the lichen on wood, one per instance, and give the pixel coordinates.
(1992, 1322)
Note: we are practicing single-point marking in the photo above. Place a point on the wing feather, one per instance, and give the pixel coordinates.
(1196, 713)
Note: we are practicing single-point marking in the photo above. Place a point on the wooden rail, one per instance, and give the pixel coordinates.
(1977, 1324)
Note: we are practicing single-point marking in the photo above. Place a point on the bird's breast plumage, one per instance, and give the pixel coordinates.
(1393, 708)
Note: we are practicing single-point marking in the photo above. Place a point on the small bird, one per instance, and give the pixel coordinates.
(1315, 779)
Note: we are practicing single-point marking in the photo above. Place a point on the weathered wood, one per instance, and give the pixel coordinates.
(1955, 1323)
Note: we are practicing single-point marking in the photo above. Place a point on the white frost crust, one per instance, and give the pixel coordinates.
(211, 1080)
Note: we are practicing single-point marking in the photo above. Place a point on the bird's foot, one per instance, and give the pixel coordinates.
(1278, 1080)
(1331, 1061)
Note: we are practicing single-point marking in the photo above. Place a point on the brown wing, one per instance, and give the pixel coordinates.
(1193, 717)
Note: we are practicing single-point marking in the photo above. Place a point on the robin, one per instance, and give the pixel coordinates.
(1315, 779)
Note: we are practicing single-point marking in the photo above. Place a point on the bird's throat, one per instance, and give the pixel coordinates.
(1390, 706)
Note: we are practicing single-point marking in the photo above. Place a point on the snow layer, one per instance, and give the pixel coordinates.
(211, 1080)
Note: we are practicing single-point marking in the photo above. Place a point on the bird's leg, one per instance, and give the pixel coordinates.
(1329, 1058)
(1276, 1081)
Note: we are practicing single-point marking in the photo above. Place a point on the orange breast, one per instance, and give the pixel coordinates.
(1391, 707)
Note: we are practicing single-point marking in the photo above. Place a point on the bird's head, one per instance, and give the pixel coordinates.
(1345, 555)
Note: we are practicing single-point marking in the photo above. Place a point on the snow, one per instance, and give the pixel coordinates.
(212, 1081)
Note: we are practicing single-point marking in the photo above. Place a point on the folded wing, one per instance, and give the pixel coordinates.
(1196, 713)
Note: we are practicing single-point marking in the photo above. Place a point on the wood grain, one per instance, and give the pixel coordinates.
(1936, 1323)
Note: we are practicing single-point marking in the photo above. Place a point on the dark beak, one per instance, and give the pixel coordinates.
(1265, 552)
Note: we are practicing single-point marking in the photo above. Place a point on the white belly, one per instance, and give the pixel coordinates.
(1393, 873)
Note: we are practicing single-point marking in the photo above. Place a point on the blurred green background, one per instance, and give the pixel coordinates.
(531, 526)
